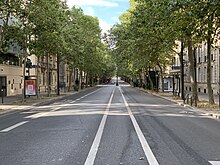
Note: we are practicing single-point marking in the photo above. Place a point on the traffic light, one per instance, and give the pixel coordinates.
(28, 63)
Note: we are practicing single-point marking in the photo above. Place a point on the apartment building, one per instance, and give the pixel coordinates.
(171, 75)
(201, 69)
(11, 78)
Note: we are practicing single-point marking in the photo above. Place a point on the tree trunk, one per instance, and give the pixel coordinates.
(182, 71)
(4, 30)
(161, 83)
(151, 82)
(209, 76)
(74, 76)
(24, 69)
(87, 79)
(140, 77)
(37, 85)
(145, 78)
(70, 79)
(58, 75)
(24, 73)
(80, 80)
(192, 69)
(48, 76)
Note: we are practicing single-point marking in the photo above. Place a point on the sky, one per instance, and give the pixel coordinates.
(107, 11)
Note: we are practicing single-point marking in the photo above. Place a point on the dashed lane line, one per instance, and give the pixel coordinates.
(13, 127)
(41, 114)
(85, 96)
(215, 162)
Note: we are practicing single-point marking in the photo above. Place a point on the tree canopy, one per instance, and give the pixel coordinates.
(49, 27)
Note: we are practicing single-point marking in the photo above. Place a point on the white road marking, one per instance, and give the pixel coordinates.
(148, 153)
(215, 162)
(94, 149)
(14, 126)
(41, 114)
(38, 115)
(85, 96)
(55, 109)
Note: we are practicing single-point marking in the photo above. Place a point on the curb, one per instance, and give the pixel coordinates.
(9, 108)
(213, 115)
(216, 116)
(40, 103)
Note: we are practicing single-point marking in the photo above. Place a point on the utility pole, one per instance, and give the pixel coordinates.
(196, 94)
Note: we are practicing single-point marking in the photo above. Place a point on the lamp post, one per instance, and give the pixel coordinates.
(182, 71)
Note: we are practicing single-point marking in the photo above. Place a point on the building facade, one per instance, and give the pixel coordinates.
(201, 69)
(11, 79)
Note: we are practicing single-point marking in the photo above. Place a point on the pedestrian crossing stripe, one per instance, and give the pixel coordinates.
(215, 162)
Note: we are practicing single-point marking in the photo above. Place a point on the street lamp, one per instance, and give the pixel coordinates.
(182, 71)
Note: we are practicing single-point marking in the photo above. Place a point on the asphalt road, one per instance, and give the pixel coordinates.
(109, 125)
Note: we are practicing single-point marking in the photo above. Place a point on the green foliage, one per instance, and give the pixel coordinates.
(148, 30)
(49, 27)
(144, 38)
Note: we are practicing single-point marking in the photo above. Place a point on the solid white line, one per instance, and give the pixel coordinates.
(94, 149)
(148, 153)
(14, 126)
(215, 162)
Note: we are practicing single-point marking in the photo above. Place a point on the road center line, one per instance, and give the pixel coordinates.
(148, 153)
(14, 126)
(94, 149)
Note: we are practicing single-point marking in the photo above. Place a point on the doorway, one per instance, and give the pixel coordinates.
(3, 85)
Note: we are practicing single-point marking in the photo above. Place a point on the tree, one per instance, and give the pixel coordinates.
(143, 37)
(208, 28)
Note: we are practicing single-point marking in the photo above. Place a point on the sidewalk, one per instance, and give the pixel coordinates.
(15, 102)
(213, 112)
